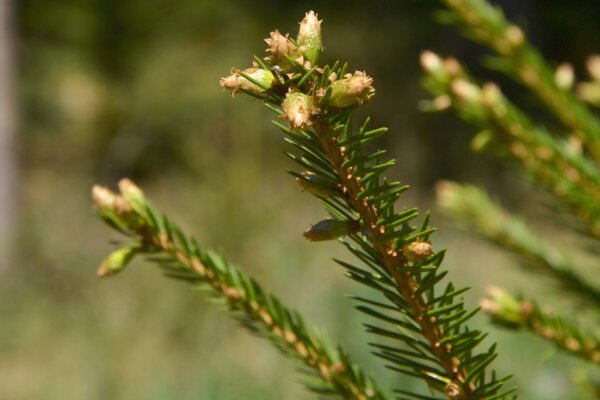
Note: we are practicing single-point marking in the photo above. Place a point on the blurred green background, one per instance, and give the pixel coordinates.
(113, 88)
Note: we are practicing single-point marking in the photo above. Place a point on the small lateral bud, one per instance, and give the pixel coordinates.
(104, 199)
(235, 81)
(452, 67)
(466, 90)
(298, 109)
(491, 93)
(353, 89)
(431, 62)
(593, 66)
(117, 261)
(441, 103)
(491, 97)
(132, 194)
(454, 391)
(564, 76)
(330, 229)
(515, 35)
(504, 308)
(130, 189)
(309, 37)
(417, 251)
(590, 92)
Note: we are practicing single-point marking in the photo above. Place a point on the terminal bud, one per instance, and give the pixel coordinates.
(309, 37)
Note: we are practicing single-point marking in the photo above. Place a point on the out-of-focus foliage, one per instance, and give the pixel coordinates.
(112, 88)
(562, 160)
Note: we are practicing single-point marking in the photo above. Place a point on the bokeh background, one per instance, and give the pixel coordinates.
(94, 90)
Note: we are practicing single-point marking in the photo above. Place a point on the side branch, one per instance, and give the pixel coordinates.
(473, 207)
(508, 311)
(181, 257)
(572, 178)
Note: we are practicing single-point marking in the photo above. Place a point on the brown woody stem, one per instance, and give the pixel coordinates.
(393, 259)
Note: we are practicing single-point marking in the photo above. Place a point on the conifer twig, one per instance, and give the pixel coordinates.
(180, 257)
(509, 311)
(472, 206)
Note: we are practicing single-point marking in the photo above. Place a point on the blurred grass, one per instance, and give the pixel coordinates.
(112, 89)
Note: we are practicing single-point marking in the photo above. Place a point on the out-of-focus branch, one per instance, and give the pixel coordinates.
(471, 206)
(552, 163)
(486, 24)
(509, 311)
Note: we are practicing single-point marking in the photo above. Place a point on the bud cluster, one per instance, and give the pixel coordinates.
(289, 77)
(124, 211)
(125, 205)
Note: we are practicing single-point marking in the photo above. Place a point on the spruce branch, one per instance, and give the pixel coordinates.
(471, 206)
(551, 163)
(152, 234)
(486, 24)
(430, 321)
(512, 312)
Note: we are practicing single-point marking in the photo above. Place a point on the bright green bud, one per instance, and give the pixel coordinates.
(117, 260)
(353, 89)
(330, 229)
(235, 81)
(309, 37)
(298, 109)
